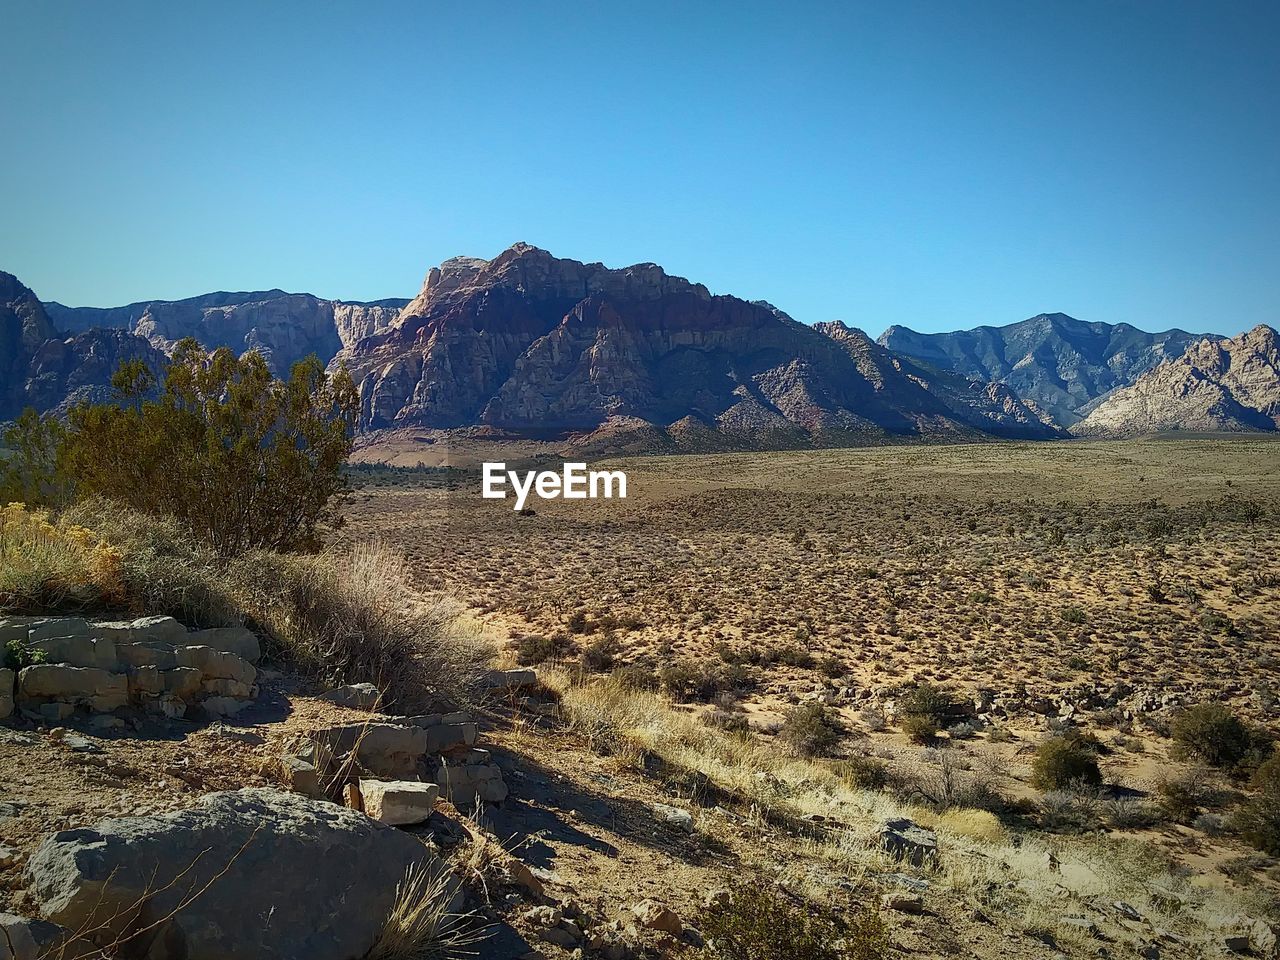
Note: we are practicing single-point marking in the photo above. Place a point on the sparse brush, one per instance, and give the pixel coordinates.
(758, 922)
(420, 925)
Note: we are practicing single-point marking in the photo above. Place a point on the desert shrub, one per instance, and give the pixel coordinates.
(945, 783)
(421, 924)
(1212, 733)
(1181, 797)
(701, 682)
(632, 676)
(1070, 810)
(1062, 762)
(1129, 813)
(242, 459)
(810, 730)
(577, 622)
(924, 711)
(536, 648)
(864, 773)
(49, 564)
(1258, 820)
(758, 922)
(599, 655)
(727, 720)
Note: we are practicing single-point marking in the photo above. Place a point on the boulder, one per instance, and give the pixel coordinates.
(383, 749)
(146, 653)
(216, 664)
(227, 688)
(398, 802)
(303, 777)
(56, 628)
(356, 696)
(16, 628)
(145, 680)
(7, 680)
(235, 640)
(279, 877)
(223, 706)
(98, 689)
(450, 736)
(25, 939)
(906, 840)
(470, 778)
(77, 651)
(164, 630)
(182, 682)
(655, 916)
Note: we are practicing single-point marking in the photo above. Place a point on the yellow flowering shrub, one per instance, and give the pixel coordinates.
(47, 564)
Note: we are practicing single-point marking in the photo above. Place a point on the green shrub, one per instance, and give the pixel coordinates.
(599, 655)
(757, 923)
(864, 773)
(1063, 762)
(1212, 733)
(1258, 821)
(924, 711)
(535, 648)
(242, 459)
(810, 730)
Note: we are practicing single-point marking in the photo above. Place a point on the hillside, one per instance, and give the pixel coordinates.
(1058, 362)
(284, 327)
(539, 347)
(1228, 386)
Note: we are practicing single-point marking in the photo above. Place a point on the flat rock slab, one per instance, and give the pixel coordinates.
(398, 802)
(907, 840)
(279, 877)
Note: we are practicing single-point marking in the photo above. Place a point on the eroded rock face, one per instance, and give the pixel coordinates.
(1217, 385)
(283, 327)
(284, 877)
(533, 345)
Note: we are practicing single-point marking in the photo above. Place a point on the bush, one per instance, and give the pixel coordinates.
(50, 564)
(534, 648)
(757, 923)
(688, 682)
(864, 773)
(810, 730)
(1258, 821)
(240, 458)
(1212, 733)
(1064, 762)
(925, 710)
(599, 655)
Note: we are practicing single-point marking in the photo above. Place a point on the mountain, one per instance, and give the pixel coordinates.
(990, 407)
(284, 327)
(1217, 385)
(42, 369)
(1060, 363)
(531, 345)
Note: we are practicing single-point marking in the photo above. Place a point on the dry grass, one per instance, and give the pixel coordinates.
(984, 861)
(340, 617)
(421, 926)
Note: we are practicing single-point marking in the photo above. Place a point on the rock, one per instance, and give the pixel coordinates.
(282, 876)
(566, 935)
(655, 916)
(906, 840)
(903, 902)
(511, 679)
(105, 721)
(145, 630)
(98, 689)
(216, 664)
(1084, 925)
(398, 802)
(16, 628)
(351, 797)
(1149, 951)
(718, 899)
(676, 816)
(24, 939)
(1262, 937)
(78, 651)
(1126, 910)
(183, 682)
(223, 706)
(444, 737)
(237, 641)
(383, 749)
(57, 628)
(144, 680)
(227, 688)
(146, 653)
(8, 679)
(466, 782)
(1236, 942)
(8, 856)
(302, 777)
(356, 696)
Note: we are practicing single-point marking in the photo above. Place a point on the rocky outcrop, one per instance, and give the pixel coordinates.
(1059, 363)
(24, 326)
(531, 345)
(249, 873)
(283, 327)
(152, 663)
(1216, 386)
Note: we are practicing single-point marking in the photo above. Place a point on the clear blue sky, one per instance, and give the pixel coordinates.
(937, 164)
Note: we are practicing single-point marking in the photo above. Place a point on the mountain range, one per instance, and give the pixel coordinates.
(528, 345)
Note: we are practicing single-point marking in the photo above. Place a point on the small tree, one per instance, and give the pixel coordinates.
(243, 459)
(925, 710)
